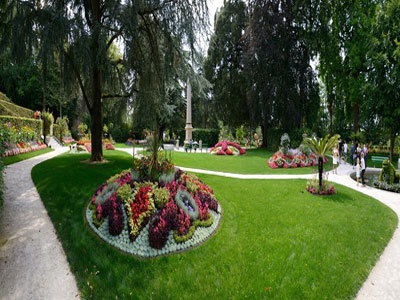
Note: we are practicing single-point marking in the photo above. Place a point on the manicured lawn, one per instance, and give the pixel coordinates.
(16, 158)
(253, 162)
(122, 145)
(275, 240)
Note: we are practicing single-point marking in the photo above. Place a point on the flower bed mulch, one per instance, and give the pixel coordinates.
(151, 211)
(227, 148)
(279, 160)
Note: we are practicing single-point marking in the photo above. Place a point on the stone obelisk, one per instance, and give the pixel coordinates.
(188, 127)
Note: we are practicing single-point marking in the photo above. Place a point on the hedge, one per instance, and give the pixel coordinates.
(208, 136)
(19, 123)
(274, 137)
(10, 109)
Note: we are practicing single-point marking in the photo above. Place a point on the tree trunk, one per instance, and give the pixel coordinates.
(60, 87)
(264, 130)
(392, 138)
(97, 117)
(356, 125)
(320, 171)
(44, 91)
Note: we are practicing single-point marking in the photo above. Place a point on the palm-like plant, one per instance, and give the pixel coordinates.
(320, 147)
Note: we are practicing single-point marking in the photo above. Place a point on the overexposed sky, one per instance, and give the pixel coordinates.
(213, 5)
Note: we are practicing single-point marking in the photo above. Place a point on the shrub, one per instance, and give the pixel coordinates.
(19, 123)
(8, 108)
(120, 133)
(207, 136)
(240, 134)
(60, 128)
(48, 121)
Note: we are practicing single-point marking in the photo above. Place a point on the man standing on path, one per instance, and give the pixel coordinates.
(345, 152)
(340, 152)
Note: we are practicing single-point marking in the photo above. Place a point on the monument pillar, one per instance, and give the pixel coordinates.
(189, 126)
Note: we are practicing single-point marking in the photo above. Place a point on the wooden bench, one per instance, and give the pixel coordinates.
(379, 159)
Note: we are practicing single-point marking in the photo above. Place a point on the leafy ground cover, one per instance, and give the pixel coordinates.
(253, 162)
(288, 243)
(20, 157)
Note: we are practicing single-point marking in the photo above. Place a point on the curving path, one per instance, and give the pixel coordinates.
(384, 280)
(33, 264)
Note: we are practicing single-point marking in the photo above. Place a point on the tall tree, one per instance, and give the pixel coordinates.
(224, 67)
(85, 31)
(384, 75)
(281, 83)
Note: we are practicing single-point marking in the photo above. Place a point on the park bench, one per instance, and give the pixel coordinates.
(379, 159)
(203, 146)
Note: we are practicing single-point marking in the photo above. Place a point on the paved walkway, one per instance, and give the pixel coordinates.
(384, 280)
(33, 264)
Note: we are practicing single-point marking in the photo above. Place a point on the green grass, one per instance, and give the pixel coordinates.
(253, 162)
(275, 240)
(20, 157)
(122, 145)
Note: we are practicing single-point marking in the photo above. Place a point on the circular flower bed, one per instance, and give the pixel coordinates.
(326, 189)
(153, 210)
(227, 148)
(279, 160)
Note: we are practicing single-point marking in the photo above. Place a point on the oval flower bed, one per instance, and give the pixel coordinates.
(227, 148)
(153, 211)
(300, 160)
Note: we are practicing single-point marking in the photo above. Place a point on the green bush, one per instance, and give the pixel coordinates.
(60, 128)
(48, 121)
(19, 123)
(120, 134)
(208, 136)
(7, 108)
(296, 137)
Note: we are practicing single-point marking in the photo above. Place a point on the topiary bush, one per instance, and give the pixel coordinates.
(48, 121)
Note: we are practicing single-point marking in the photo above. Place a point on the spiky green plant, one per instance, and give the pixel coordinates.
(320, 147)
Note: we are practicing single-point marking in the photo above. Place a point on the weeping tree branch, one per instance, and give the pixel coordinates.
(78, 77)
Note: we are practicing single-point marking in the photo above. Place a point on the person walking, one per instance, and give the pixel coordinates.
(335, 154)
(340, 151)
(358, 151)
(358, 169)
(345, 152)
(365, 150)
(352, 151)
(362, 169)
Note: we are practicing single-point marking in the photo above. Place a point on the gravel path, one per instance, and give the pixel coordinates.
(384, 280)
(33, 264)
